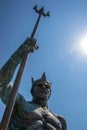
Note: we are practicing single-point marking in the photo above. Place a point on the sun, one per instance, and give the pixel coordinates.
(83, 44)
(80, 45)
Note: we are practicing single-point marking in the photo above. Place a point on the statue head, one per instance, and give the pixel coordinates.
(41, 88)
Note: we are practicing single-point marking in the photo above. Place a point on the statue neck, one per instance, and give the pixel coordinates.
(41, 102)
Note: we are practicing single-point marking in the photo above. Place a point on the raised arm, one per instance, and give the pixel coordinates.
(7, 71)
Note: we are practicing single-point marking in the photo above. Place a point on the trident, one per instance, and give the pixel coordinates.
(11, 102)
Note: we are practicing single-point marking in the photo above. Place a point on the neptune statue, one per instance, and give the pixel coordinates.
(29, 115)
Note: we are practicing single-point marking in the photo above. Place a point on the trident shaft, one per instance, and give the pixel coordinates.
(11, 102)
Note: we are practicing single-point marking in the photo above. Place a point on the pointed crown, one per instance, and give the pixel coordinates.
(42, 79)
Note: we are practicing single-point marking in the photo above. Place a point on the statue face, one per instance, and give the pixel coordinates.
(42, 90)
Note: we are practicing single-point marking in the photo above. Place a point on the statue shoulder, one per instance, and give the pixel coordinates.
(63, 121)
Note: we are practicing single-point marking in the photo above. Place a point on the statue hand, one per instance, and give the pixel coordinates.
(28, 46)
(52, 123)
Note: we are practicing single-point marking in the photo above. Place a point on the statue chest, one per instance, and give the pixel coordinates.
(32, 111)
(30, 116)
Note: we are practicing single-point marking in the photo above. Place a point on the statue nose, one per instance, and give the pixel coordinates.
(43, 86)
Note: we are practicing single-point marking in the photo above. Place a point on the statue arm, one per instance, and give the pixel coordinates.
(6, 93)
(7, 71)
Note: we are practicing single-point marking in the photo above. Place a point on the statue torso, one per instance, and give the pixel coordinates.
(29, 116)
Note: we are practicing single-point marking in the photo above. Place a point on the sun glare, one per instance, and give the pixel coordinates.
(83, 45)
(80, 46)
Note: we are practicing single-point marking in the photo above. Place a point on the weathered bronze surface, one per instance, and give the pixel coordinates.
(33, 115)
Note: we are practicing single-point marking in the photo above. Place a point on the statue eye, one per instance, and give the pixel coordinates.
(47, 86)
(43, 85)
(40, 84)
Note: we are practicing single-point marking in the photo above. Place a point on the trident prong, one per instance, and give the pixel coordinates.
(41, 11)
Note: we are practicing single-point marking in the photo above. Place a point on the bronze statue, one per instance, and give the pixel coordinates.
(35, 114)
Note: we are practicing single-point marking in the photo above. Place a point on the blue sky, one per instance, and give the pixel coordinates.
(62, 52)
